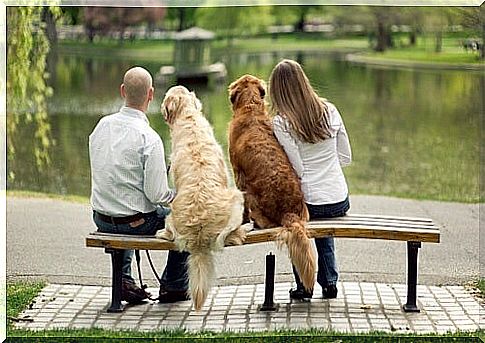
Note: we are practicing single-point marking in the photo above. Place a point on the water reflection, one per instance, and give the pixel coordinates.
(413, 133)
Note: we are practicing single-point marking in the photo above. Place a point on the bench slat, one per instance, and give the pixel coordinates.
(376, 220)
(400, 225)
(384, 217)
(351, 226)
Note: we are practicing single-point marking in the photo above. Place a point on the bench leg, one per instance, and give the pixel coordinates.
(116, 267)
(413, 248)
(269, 304)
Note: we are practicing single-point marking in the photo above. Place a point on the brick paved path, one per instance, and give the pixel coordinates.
(360, 307)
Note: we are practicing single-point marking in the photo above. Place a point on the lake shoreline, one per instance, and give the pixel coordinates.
(361, 58)
(355, 50)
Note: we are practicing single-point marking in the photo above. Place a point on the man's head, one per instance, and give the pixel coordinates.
(137, 88)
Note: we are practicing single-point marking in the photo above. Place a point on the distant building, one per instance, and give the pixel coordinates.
(192, 59)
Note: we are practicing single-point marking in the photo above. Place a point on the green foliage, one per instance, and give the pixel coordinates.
(481, 286)
(71, 15)
(20, 295)
(180, 18)
(232, 21)
(26, 83)
(181, 336)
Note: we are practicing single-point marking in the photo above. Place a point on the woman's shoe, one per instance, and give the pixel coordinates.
(300, 294)
(329, 292)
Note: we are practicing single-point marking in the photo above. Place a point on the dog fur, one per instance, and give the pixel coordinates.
(206, 212)
(272, 192)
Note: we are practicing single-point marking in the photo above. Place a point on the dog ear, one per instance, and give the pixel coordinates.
(233, 96)
(197, 102)
(233, 93)
(262, 89)
(233, 90)
(169, 108)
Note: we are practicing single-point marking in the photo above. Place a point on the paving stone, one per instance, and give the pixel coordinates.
(360, 307)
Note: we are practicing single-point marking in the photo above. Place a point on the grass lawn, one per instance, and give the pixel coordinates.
(424, 51)
(142, 50)
(30, 194)
(481, 286)
(21, 294)
(162, 51)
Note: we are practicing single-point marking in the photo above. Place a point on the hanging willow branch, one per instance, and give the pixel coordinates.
(26, 80)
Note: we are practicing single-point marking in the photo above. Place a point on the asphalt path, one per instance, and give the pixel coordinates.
(46, 240)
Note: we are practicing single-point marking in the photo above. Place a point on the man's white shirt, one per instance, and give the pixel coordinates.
(318, 165)
(128, 170)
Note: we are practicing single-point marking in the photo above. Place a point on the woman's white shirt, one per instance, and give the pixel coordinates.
(318, 165)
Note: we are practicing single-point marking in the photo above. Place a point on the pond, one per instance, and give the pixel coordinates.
(414, 133)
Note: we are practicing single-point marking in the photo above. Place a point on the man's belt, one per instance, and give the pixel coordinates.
(121, 220)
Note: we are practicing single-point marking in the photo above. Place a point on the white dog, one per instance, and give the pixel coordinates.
(206, 213)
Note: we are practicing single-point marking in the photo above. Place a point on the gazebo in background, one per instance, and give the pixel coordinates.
(192, 59)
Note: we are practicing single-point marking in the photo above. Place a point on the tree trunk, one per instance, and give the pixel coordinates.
(300, 24)
(412, 37)
(50, 27)
(181, 19)
(91, 34)
(439, 40)
(122, 35)
(482, 47)
(381, 37)
(389, 41)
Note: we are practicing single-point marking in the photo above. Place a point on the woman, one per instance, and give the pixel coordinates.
(313, 135)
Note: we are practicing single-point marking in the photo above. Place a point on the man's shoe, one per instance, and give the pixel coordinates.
(300, 294)
(131, 293)
(172, 296)
(329, 292)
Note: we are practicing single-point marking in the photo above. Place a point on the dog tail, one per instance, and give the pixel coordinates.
(300, 249)
(201, 273)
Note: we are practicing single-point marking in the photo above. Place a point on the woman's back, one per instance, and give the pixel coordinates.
(318, 164)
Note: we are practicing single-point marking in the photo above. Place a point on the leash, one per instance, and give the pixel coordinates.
(138, 264)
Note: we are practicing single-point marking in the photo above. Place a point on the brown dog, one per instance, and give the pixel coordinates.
(273, 196)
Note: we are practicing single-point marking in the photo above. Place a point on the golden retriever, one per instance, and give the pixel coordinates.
(206, 212)
(272, 192)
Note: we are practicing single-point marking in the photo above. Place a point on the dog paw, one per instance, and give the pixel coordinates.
(165, 234)
(237, 237)
(248, 227)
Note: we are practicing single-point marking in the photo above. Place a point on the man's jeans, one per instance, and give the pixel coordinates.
(327, 265)
(175, 276)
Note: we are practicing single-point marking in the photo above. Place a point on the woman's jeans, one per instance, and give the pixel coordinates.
(327, 265)
(174, 277)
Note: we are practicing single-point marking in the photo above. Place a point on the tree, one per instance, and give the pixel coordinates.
(474, 19)
(27, 48)
(153, 16)
(97, 20)
(183, 16)
(382, 17)
(284, 15)
(232, 21)
(104, 20)
(71, 15)
(49, 18)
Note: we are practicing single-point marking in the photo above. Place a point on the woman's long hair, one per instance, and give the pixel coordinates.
(294, 99)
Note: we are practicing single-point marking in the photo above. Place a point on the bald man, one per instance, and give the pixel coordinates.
(129, 183)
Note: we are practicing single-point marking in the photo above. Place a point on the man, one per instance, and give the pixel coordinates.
(129, 182)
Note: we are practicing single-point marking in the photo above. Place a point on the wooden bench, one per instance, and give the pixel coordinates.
(412, 230)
